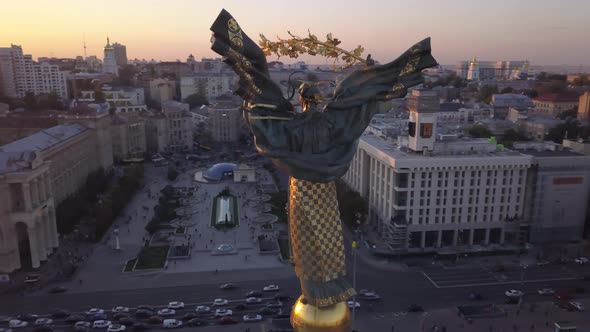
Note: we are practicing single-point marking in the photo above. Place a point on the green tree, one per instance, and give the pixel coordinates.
(573, 113)
(99, 97)
(571, 128)
(196, 100)
(479, 131)
(30, 101)
(486, 92)
(126, 75)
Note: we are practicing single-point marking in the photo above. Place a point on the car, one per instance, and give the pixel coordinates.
(282, 315)
(254, 294)
(415, 308)
(57, 290)
(143, 313)
(43, 321)
(175, 305)
(282, 297)
(60, 313)
(229, 285)
(16, 323)
(202, 309)
(561, 296)
(581, 260)
(166, 312)
(82, 324)
(353, 304)
(138, 327)
(222, 312)
(32, 278)
(219, 302)
(120, 309)
(252, 318)
(116, 328)
(267, 311)
(475, 296)
(576, 306)
(228, 320)
(146, 307)
(120, 315)
(99, 324)
(43, 328)
(74, 318)
(253, 300)
(240, 307)
(370, 296)
(189, 316)
(542, 263)
(154, 320)
(271, 288)
(513, 293)
(546, 291)
(196, 322)
(171, 323)
(27, 317)
(95, 311)
(127, 321)
(274, 305)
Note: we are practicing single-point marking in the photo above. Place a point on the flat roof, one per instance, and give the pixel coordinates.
(550, 153)
(44, 139)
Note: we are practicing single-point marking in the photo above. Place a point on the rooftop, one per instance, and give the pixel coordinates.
(15, 161)
(44, 139)
(558, 97)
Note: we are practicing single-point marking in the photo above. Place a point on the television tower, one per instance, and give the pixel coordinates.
(84, 38)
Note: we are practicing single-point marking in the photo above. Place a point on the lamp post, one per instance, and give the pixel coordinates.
(354, 246)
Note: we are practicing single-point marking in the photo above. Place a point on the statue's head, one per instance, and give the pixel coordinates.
(309, 96)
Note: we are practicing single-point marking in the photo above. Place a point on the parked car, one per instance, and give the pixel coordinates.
(219, 302)
(581, 260)
(166, 312)
(189, 316)
(252, 318)
(120, 309)
(227, 320)
(43, 321)
(119, 316)
(282, 297)
(353, 304)
(143, 313)
(16, 323)
(127, 321)
(100, 324)
(146, 307)
(229, 285)
(27, 317)
(274, 305)
(95, 311)
(116, 328)
(415, 308)
(175, 305)
(196, 322)
(139, 327)
(513, 293)
(253, 300)
(576, 306)
(60, 313)
(271, 288)
(267, 311)
(171, 323)
(82, 325)
(254, 294)
(546, 291)
(240, 307)
(370, 296)
(222, 312)
(74, 318)
(202, 309)
(154, 320)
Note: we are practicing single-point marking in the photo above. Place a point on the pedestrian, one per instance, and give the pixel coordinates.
(392, 328)
(80, 281)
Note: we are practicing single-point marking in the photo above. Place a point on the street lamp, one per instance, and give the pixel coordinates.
(354, 246)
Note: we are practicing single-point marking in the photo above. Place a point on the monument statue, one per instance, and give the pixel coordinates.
(314, 148)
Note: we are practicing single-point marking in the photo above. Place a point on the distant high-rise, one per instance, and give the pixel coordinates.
(120, 54)
(19, 74)
(110, 62)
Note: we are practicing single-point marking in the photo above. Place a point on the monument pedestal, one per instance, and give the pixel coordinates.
(308, 318)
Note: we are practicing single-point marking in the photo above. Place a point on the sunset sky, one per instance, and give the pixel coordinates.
(543, 31)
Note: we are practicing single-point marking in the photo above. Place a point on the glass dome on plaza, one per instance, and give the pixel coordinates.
(218, 171)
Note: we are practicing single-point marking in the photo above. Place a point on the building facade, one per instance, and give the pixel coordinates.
(584, 108)
(120, 54)
(162, 89)
(27, 211)
(225, 120)
(212, 85)
(109, 65)
(169, 130)
(128, 136)
(552, 104)
(490, 69)
(123, 100)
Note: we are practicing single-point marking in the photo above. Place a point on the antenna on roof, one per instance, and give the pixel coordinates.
(84, 39)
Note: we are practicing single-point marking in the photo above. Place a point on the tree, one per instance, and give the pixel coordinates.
(126, 75)
(30, 101)
(479, 131)
(573, 113)
(542, 76)
(582, 80)
(172, 174)
(196, 100)
(486, 92)
(99, 97)
(507, 89)
(511, 135)
(571, 128)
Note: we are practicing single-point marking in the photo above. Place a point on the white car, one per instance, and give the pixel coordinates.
(43, 321)
(581, 260)
(271, 288)
(219, 302)
(95, 311)
(101, 324)
(577, 305)
(175, 305)
(120, 309)
(171, 323)
(513, 293)
(353, 304)
(253, 300)
(116, 328)
(82, 325)
(223, 312)
(15, 323)
(546, 291)
(166, 312)
(202, 309)
(252, 318)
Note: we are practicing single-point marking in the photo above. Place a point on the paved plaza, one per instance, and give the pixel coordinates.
(104, 268)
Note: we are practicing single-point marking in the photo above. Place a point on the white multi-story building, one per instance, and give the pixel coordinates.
(162, 89)
(212, 85)
(431, 193)
(19, 74)
(123, 100)
(110, 60)
(170, 129)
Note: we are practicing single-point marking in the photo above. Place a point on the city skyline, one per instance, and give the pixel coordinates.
(169, 31)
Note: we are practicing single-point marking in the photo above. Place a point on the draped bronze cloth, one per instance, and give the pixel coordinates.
(314, 148)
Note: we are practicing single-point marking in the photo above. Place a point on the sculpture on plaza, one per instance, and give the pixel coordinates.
(314, 148)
